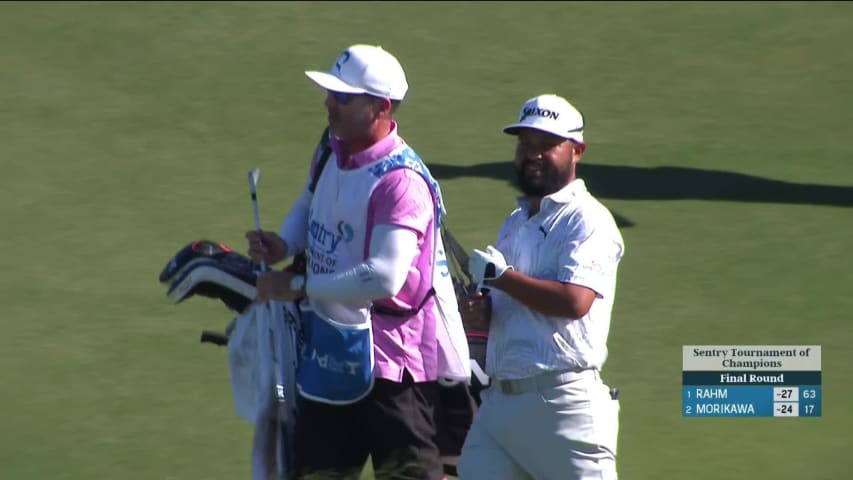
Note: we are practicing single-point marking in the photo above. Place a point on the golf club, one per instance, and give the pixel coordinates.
(254, 178)
(284, 461)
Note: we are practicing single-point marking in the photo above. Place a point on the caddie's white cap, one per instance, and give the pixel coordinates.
(364, 69)
(552, 114)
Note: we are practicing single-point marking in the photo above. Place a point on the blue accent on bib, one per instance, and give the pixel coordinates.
(337, 360)
(407, 158)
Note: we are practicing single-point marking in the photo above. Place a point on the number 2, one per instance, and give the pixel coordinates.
(688, 410)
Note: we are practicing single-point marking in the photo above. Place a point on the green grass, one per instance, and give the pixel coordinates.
(126, 130)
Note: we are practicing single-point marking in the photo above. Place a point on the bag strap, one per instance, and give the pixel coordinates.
(404, 313)
(321, 162)
(300, 260)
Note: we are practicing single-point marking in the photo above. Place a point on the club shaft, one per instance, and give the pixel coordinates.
(253, 178)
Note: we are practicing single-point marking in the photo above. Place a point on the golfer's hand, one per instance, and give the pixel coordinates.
(476, 311)
(275, 285)
(267, 246)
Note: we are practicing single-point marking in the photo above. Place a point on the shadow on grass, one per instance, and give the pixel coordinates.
(671, 183)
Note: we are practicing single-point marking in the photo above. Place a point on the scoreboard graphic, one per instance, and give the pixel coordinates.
(751, 381)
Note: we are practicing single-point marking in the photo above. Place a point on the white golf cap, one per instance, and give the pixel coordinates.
(552, 114)
(364, 69)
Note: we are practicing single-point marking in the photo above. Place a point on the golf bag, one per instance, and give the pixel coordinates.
(212, 270)
(263, 346)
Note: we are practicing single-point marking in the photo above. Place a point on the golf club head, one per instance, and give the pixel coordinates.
(254, 178)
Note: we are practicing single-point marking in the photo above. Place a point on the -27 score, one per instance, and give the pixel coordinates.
(788, 393)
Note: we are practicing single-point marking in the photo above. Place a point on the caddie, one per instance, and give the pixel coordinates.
(368, 375)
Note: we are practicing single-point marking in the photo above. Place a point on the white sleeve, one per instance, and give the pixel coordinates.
(382, 275)
(294, 228)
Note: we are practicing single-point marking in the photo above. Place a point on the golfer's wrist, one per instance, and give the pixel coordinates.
(499, 282)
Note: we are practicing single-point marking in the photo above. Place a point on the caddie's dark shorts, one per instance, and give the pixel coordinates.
(458, 403)
(394, 424)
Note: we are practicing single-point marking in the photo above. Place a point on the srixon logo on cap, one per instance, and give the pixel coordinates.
(538, 112)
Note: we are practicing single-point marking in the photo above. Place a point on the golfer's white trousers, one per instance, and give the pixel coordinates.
(567, 432)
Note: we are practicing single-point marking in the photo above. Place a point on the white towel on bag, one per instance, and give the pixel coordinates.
(262, 354)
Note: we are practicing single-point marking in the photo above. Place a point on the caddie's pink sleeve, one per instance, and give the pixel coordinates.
(401, 198)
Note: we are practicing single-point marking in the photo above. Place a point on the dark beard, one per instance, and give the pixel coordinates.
(549, 182)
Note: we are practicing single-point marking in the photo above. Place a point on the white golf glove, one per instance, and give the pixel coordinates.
(488, 265)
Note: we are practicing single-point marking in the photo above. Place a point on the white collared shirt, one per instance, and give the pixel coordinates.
(572, 239)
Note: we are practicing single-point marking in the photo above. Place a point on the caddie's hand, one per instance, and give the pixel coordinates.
(267, 246)
(476, 311)
(274, 285)
(486, 266)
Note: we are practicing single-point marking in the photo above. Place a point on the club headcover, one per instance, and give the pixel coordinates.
(211, 270)
(214, 278)
(199, 249)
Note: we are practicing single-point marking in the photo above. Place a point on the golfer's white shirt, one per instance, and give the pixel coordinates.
(573, 239)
